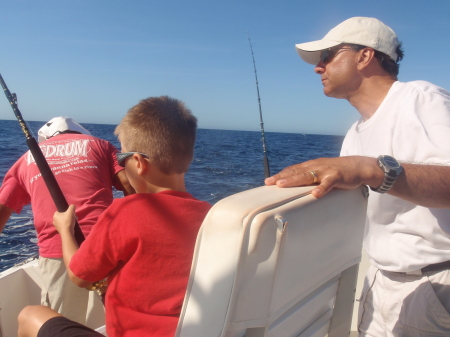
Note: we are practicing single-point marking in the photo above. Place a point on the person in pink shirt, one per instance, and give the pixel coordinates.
(86, 168)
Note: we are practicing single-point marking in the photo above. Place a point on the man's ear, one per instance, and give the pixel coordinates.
(365, 57)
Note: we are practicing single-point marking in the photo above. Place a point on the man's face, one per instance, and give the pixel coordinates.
(338, 71)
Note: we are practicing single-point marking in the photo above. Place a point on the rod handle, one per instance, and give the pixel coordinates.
(266, 167)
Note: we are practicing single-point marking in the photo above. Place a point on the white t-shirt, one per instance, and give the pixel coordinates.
(412, 125)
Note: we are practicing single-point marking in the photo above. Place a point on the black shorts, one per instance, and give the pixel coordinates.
(63, 327)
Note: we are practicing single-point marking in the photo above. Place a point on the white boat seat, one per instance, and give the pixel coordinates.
(276, 262)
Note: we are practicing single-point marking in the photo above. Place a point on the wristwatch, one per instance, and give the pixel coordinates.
(391, 169)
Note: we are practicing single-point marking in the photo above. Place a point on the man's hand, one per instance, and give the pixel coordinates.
(342, 172)
(65, 221)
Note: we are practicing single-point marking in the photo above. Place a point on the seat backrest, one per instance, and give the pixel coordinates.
(276, 262)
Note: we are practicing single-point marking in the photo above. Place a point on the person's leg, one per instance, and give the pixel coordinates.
(32, 318)
(370, 320)
(41, 321)
(400, 304)
(425, 306)
(440, 282)
(60, 293)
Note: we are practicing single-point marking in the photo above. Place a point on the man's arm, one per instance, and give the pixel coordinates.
(5, 213)
(121, 179)
(424, 185)
(64, 223)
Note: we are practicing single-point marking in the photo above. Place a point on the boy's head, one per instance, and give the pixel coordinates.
(164, 129)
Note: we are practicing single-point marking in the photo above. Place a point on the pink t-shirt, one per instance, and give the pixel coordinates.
(144, 243)
(84, 167)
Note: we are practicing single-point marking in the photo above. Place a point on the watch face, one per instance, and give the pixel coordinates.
(390, 161)
(392, 169)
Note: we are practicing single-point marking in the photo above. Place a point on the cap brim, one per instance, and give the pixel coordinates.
(310, 51)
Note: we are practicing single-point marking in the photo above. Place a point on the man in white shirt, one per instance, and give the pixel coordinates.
(400, 148)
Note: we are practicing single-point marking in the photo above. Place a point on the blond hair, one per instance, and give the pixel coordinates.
(164, 129)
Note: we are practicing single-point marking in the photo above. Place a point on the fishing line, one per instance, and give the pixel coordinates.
(46, 173)
(263, 139)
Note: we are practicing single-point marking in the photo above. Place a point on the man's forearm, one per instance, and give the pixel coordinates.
(5, 213)
(122, 180)
(424, 185)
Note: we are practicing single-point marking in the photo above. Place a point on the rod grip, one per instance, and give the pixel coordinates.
(266, 167)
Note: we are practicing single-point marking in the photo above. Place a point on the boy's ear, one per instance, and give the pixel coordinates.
(142, 164)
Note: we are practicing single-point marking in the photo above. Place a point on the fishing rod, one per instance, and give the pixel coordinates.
(46, 173)
(263, 139)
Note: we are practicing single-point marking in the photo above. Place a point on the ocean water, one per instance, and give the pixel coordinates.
(225, 162)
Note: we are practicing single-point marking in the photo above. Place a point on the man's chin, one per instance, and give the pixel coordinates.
(330, 93)
(327, 92)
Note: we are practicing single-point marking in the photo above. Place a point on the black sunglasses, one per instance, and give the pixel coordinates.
(328, 54)
(124, 155)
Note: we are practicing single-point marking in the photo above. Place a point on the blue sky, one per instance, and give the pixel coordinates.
(93, 60)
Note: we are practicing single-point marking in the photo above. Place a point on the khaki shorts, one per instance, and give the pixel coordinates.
(404, 304)
(60, 293)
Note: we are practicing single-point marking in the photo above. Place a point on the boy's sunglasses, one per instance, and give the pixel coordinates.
(328, 54)
(124, 155)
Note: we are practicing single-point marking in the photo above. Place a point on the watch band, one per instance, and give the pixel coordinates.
(392, 170)
(386, 185)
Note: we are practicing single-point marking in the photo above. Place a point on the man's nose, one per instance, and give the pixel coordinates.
(319, 68)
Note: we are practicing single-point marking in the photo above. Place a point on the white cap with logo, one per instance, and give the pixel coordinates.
(368, 32)
(59, 125)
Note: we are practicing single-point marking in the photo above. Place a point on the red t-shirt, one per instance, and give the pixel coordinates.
(84, 167)
(144, 243)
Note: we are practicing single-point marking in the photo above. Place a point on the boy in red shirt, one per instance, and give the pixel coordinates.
(144, 242)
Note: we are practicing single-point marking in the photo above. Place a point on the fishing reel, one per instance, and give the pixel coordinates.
(99, 286)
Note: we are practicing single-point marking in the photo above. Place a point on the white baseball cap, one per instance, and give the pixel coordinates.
(368, 32)
(58, 125)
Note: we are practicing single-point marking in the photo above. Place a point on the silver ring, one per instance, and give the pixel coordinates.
(314, 176)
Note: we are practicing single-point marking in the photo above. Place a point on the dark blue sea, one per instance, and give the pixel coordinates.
(226, 162)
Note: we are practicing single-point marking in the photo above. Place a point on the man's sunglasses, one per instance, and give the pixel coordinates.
(124, 155)
(328, 54)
